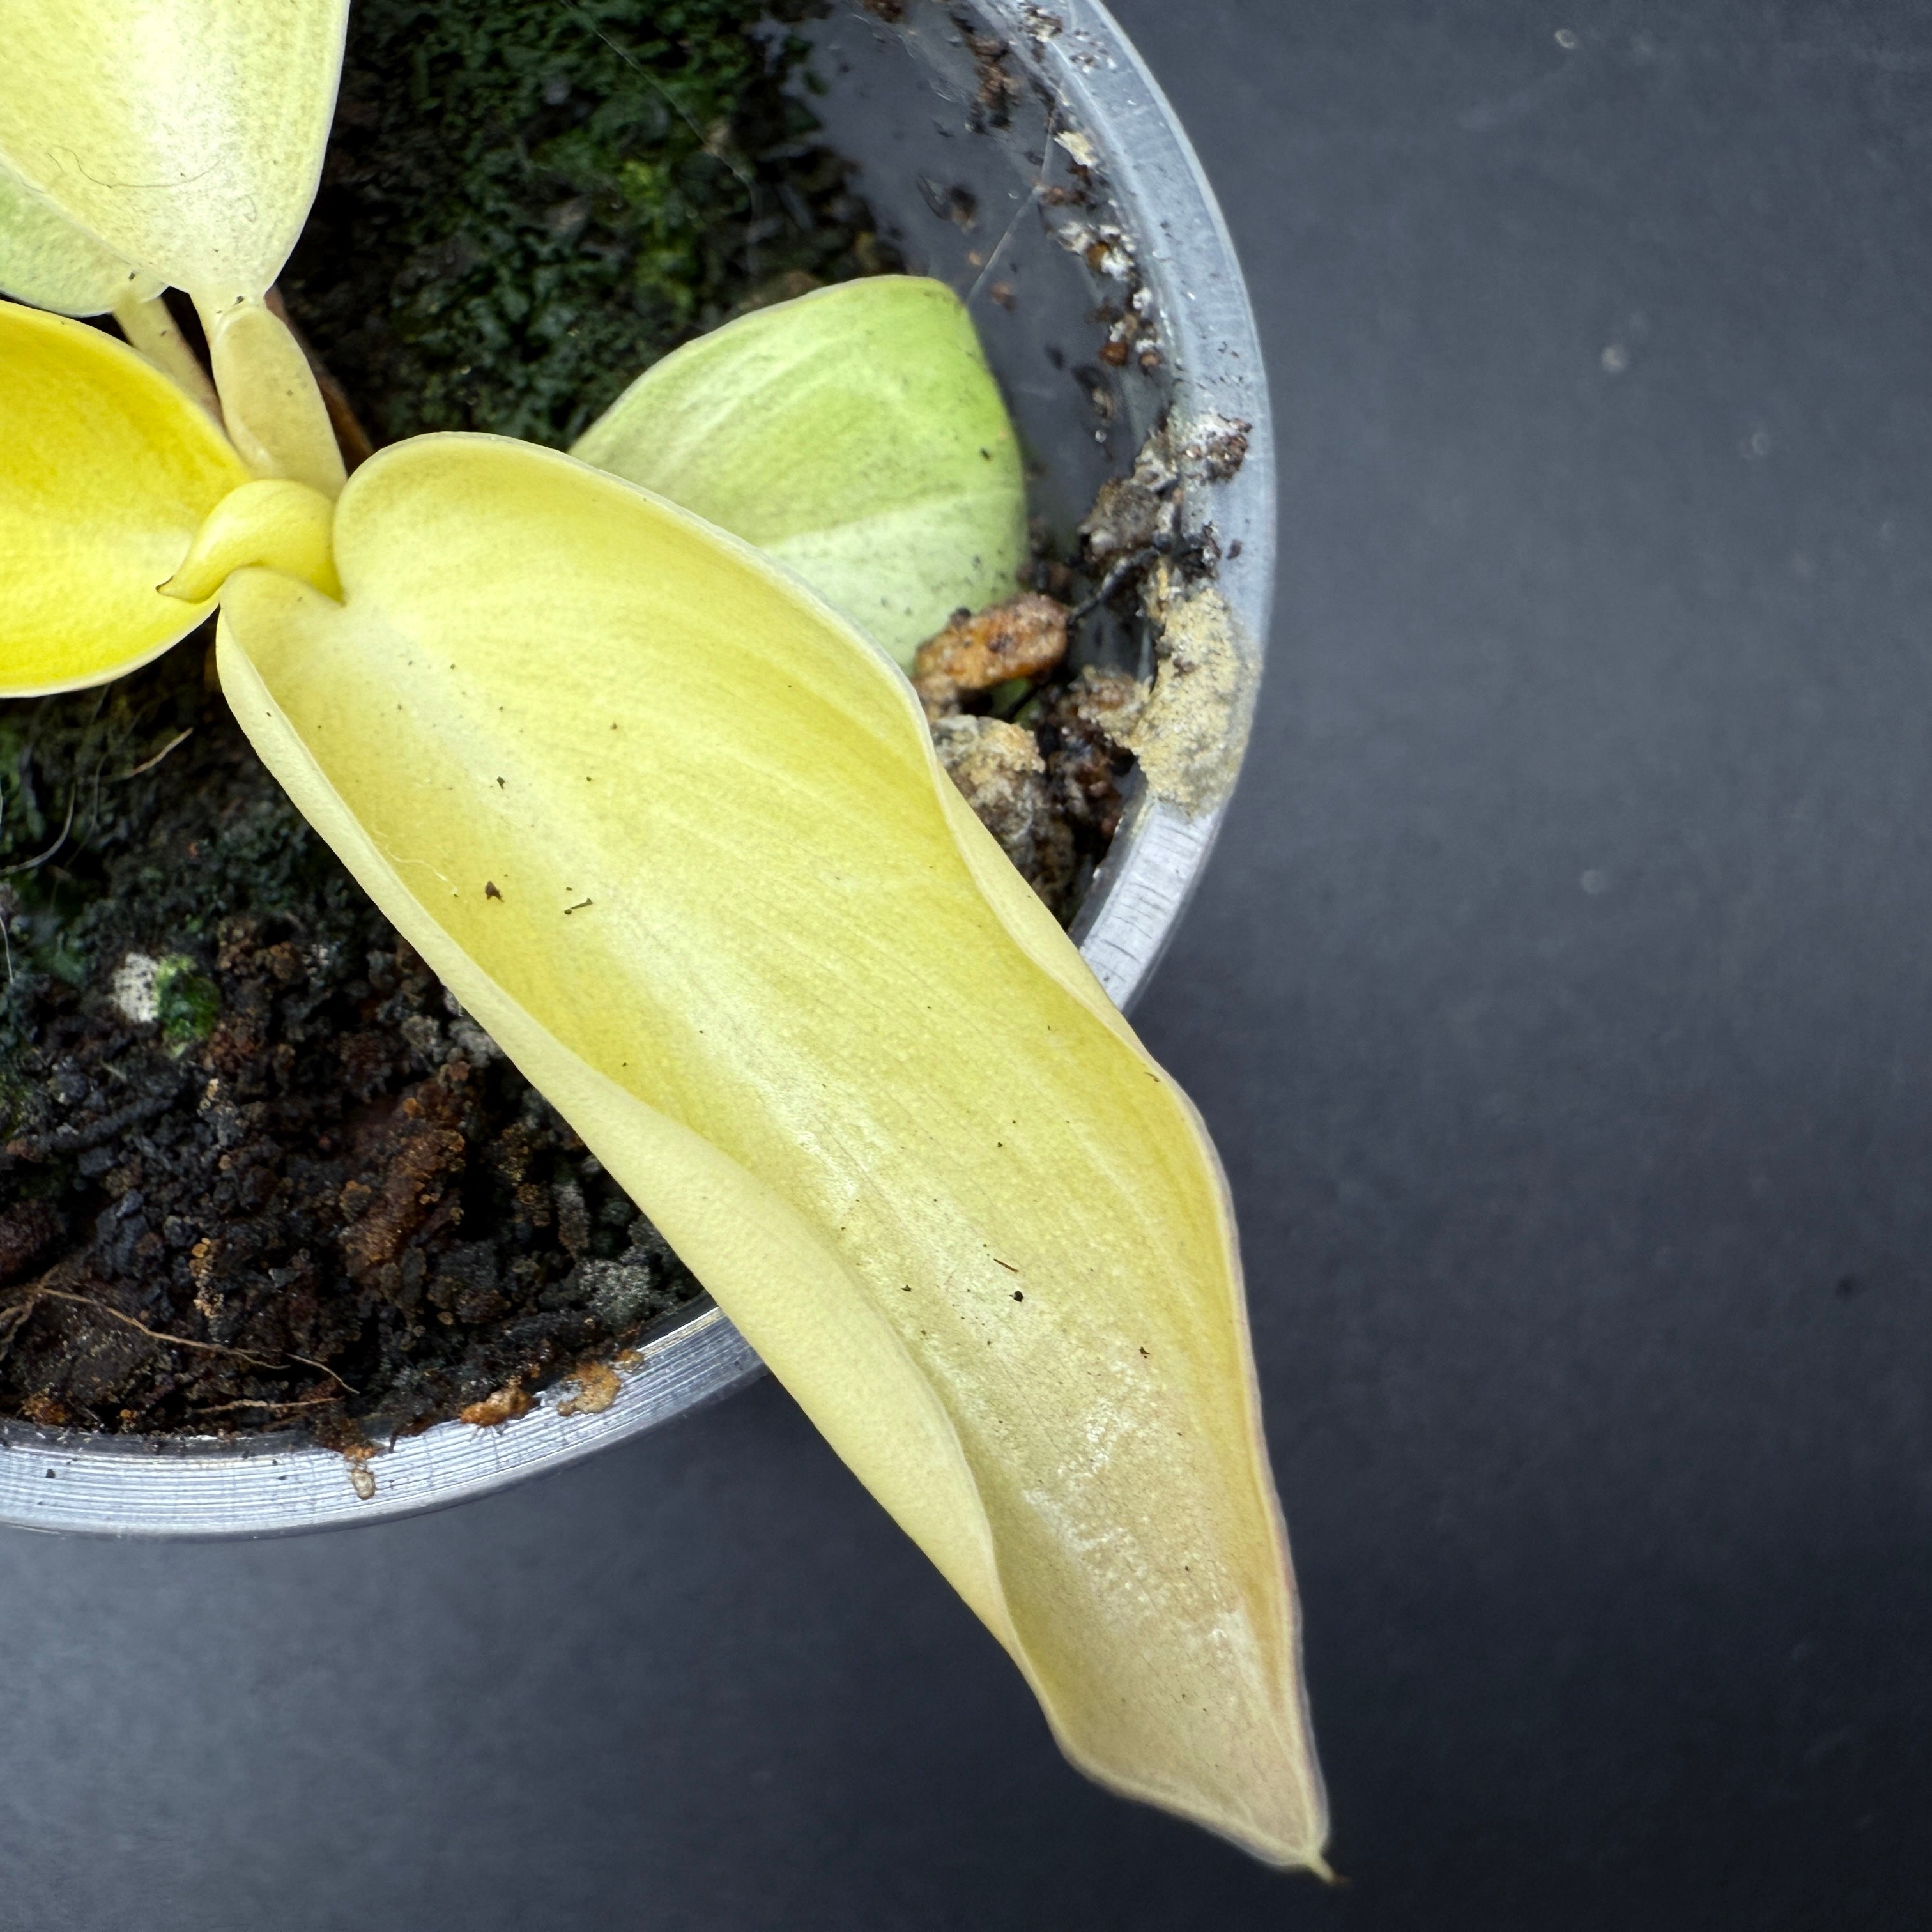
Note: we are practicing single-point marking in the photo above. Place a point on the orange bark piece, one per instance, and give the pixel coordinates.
(1023, 637)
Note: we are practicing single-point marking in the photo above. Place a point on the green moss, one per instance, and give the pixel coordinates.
(187, 1005)
(527, 202)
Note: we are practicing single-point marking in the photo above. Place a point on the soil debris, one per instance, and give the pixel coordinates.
(1139, 516)
(309, 1191)
(1044, 745)
(1001, 773)
(1133, 334)
(1088, 737)
(597, 1388)
(1000, 88)
(1191, 734)
(1025, 638)
(1045, 754)
(505, 1404)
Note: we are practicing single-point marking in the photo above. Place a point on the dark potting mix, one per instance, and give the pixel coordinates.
(257, 1170)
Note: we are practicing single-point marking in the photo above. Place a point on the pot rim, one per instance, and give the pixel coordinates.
(71, 1481)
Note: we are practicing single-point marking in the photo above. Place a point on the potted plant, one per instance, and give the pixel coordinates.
(817, 1028)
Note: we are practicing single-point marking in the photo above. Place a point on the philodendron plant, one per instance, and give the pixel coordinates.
(618, 741)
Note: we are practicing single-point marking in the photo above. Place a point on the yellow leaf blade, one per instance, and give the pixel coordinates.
(678, 838)
(106, 472)
(186, 136)
(856, 434)
(45, 259)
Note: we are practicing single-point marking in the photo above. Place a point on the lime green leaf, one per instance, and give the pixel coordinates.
(45, 259)
(106, 471)
(856, 434)
(675, 834)
(186, 136)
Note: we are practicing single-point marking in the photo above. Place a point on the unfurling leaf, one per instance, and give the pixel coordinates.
(675, 834)
(106, 472)
(856, 435)
(185, 135)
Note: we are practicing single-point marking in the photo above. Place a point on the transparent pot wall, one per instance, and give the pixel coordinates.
(1021, 154)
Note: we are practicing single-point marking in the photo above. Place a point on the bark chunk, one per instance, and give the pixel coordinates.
(1025, 637)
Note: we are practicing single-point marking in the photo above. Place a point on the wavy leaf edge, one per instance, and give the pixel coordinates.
(605, 1112)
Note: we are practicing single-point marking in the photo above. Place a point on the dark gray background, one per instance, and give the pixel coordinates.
(1559, 1002)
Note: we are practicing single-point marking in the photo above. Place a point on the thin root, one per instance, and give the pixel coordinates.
(37, 1292)
(148, 765)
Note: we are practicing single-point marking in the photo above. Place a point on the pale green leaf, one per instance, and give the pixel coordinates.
(675, 834)
(45, 259)
(106, 472)
(186, 136)
(856, 435)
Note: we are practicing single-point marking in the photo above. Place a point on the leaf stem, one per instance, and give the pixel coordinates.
(152, 331)
(274, 410)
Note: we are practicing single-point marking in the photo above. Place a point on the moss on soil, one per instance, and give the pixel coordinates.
(529, 202)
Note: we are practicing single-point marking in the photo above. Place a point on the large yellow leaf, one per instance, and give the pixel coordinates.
(187, 136)
(675, 834)
(106, 471)
(856, 434)
(45, 259)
